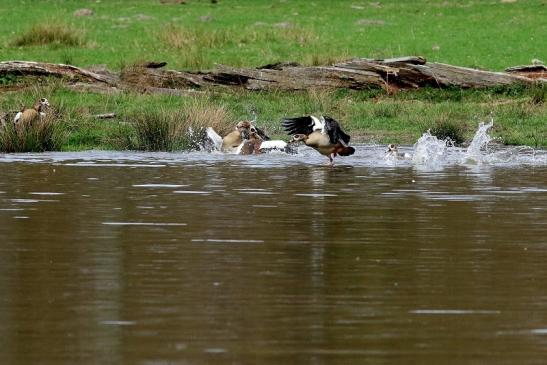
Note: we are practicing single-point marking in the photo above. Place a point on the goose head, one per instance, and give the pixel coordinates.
(391, 148)
(253, 133)
(41, 105)
(298, 138)
(243, 128)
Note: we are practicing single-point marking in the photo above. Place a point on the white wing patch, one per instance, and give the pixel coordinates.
(17, 117)
(239, 148)
(214, 137)
(318, 124)
(278, 144)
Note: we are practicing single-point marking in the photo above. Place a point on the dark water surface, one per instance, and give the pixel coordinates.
(192, 259)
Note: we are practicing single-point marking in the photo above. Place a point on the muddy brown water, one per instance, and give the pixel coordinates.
(207, 259)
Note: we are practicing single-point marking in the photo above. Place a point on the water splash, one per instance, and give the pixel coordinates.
(478, 148)
(429, 151)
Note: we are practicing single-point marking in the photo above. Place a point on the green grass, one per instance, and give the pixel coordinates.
(369, 116)
(484, 34)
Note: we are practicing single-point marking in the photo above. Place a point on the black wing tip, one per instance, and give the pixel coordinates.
(295, 125)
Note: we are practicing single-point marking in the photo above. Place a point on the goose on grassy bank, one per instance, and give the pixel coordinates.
(29, 115)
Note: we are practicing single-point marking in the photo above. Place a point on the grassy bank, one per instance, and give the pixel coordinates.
(481, 34)
(149, 122)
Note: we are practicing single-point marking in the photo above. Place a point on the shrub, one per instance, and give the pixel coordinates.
(165, 130)
(40, 136)
(448, 130)
(538, 92)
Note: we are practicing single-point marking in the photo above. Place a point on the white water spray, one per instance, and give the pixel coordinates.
(477, 149)
(429, 151)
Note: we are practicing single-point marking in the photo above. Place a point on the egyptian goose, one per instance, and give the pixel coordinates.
(251, 142)
(393, 153)
(323, 134)
(28, 115)
(234, 139)
(245, 139)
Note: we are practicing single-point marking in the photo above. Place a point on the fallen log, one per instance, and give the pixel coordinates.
(530, 71)
(294, 78)
(360, 73)
(73, 73)
(390, 74)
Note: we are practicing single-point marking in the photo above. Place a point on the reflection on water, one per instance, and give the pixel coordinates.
(124, 258)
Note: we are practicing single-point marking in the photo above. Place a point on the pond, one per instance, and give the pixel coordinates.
(204, 258)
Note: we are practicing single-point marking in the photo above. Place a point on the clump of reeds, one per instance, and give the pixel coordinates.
(538, 93)
(448, 131)
(156, 130)
(167, 130)
(50, 33)
(40, 136)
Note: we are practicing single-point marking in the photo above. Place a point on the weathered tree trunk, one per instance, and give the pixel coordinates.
(73, 73)
(530, 71)
(390, 74)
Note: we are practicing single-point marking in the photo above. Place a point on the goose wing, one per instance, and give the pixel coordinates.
(262, 134)
(301, 125)
(17, 117)
(214, 138)
(336, 134)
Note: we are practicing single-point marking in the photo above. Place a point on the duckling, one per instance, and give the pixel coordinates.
(393, 153)
(323, 134)
(28, 115)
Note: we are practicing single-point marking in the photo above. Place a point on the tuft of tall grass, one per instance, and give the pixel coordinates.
(183, 38)
(538, 93)
(179, 37)
(40, 136)
(316, 58)
(50, 33)
(448, 130)
(160, 129)
(196, 42)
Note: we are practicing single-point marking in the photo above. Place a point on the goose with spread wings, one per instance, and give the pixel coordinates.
(321, 133)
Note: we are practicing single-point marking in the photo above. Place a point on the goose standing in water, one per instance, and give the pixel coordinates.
(322, 134)
(28, 115)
